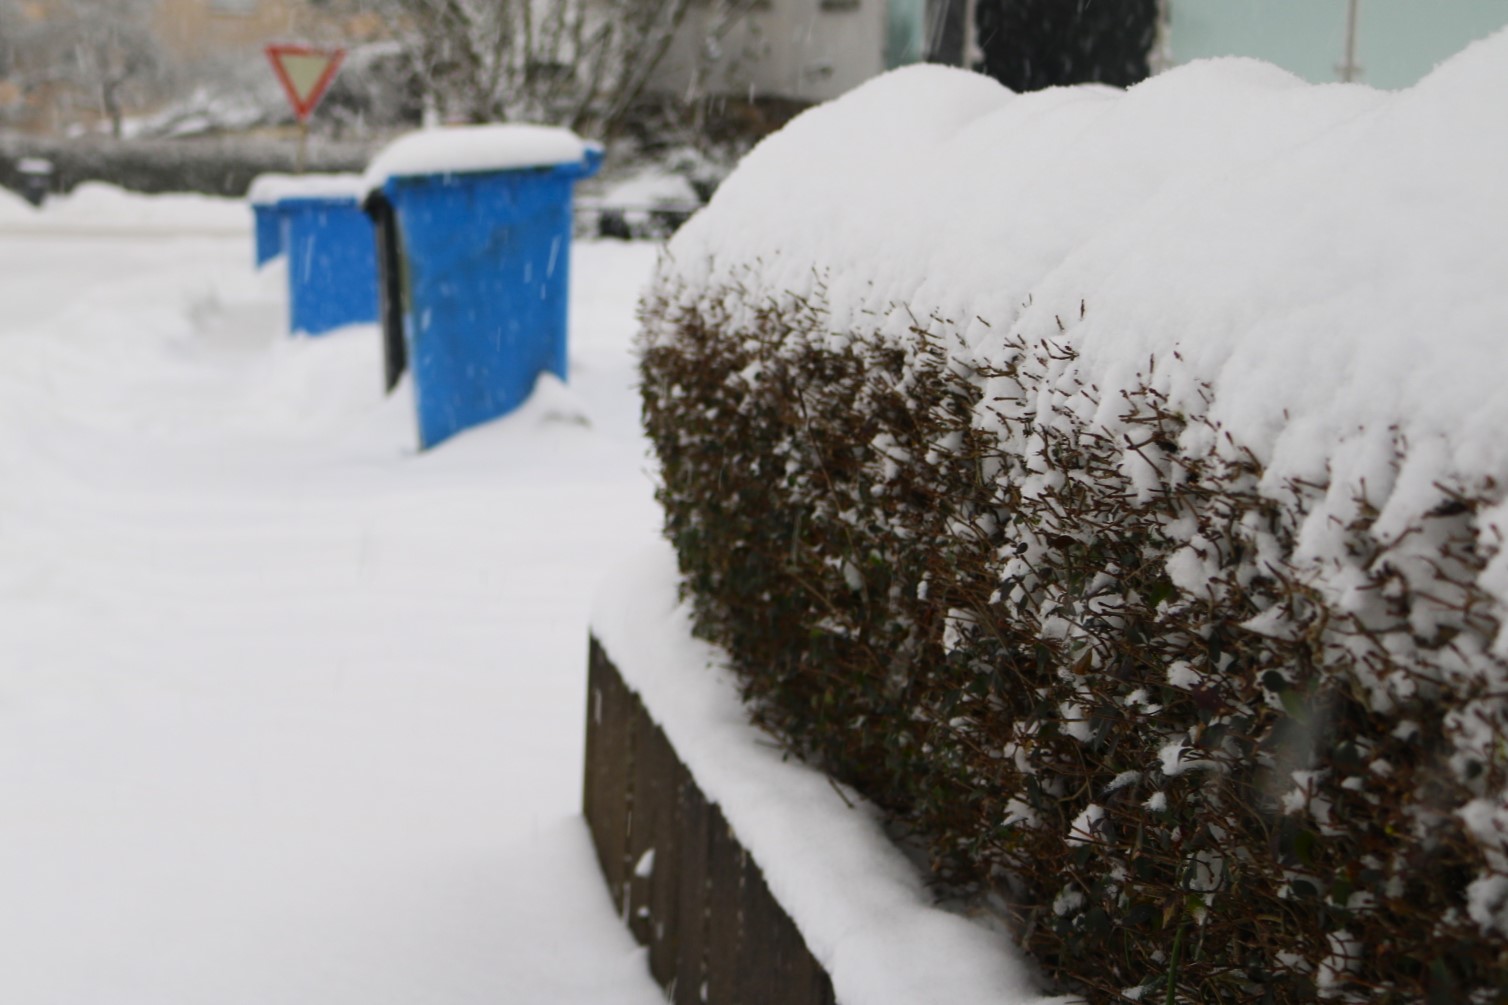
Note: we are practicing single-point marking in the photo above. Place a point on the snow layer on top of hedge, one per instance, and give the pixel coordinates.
(13, 208)
(1329, 258)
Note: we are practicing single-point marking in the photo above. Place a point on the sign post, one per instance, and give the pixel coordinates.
(305, 73)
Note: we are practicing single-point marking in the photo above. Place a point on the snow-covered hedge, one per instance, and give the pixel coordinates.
(1111, 485)
(213, 167)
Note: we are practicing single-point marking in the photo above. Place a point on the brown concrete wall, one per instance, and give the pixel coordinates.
(714, 932)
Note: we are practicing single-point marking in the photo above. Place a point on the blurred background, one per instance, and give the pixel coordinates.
(161, 95)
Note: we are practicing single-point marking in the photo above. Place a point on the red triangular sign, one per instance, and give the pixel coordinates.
(305, 73)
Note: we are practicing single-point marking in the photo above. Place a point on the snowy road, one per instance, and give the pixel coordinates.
(289, 713)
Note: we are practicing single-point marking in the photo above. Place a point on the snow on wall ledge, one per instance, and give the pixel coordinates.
(859, 904)
(1329, 258)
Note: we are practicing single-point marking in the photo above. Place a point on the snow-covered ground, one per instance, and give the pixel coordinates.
(288, 712)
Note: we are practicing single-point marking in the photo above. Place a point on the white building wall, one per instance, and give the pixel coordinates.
(810, 50)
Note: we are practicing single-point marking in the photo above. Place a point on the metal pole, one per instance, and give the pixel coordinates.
(1160, 59)
(303, 146)
(1349, 71)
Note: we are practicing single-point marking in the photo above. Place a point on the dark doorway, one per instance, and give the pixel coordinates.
(1031, 44)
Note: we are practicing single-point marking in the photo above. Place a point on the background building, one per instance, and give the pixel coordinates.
(90, 65)
(220, 29)
(1397, 41)
(812, 50)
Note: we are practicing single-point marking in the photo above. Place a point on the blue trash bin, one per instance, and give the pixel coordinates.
(269, 233)
(476, 221)
(332, 263)
(317, 222)
(265, 191)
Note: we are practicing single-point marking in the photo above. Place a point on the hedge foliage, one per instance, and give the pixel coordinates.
(1078, 657)
(215, 167)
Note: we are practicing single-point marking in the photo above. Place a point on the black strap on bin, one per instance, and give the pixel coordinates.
(390, 268)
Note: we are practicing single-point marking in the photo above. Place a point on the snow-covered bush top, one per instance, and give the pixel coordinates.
(470, 149)
(268, 189)
(1330, 258)
(1112, 486)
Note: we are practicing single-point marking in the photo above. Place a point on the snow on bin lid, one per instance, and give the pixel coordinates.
(267, 189)
(472, 149)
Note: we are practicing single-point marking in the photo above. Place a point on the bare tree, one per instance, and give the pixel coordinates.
(713, 58)
(10, 26)
(579, 63)
(104, 52)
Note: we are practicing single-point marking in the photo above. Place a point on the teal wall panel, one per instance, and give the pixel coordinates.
(1398, 41)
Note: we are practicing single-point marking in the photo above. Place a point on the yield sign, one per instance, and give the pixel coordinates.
(305, 73)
